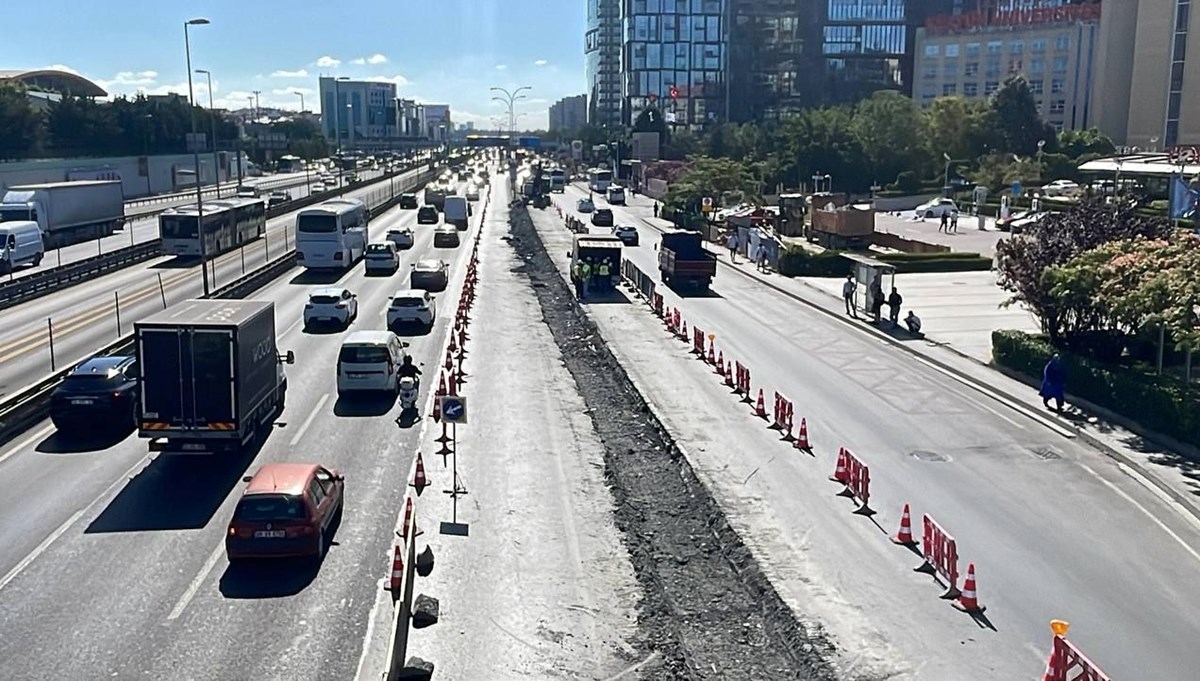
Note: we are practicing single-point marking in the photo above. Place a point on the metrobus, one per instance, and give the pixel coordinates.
(332, 235)
(558, 180)
(290, 164)
(228, 223)
(599, 179)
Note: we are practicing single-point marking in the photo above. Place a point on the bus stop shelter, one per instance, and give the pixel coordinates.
(867, 272)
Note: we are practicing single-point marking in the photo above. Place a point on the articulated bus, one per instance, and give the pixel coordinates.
(228, 223)
(289, 164)
(599, 179)
(332, 235)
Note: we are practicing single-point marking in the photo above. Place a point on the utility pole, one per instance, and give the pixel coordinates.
(187, 50)
(256, 93)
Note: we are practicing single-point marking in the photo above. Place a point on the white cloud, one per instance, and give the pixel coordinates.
(501, 67)
(300, 73)
(537, 100)
(377, 59)
(293, 91)
(399, 80)
(359, 62)
(540, 62)
(327, 62)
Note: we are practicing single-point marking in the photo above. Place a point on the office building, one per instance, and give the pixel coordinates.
(569, 113)
(438, 124)
(357, 110)
(602, 62)
(410, 120)
(1157, 48)
(1054, 44)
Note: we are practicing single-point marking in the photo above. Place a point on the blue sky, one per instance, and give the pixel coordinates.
(438, 51)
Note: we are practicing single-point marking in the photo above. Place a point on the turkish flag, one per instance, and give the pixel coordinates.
(674, 92)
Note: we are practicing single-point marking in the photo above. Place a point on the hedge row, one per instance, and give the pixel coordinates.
(797, 262)
(1159, 403)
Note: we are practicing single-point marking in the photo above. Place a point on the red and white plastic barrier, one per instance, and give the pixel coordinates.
(1067, 662)
(856, 476)
(940, 551)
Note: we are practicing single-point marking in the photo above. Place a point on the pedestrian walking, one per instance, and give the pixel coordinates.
(876, 300)
(848, 289)
(656, 209)
(761, 257)
(1054, 382)
(732, 244)
(944, 223)
(954, 221)
(894, 301)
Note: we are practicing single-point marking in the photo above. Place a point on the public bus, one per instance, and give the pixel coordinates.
(290, 164)
(228, 223)
(332, 235)
(599, 179)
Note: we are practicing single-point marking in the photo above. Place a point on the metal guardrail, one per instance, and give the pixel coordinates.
(185, 196)
(639, 281)
(31, 404)
(28, 287)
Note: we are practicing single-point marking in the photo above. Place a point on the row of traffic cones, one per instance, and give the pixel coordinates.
(968, 599)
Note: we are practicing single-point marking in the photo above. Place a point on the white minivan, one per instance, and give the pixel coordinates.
(456, 210)
(20, 244)
(368, 362)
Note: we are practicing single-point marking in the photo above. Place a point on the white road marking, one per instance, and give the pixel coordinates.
(1124, 495)
(200, 578)
(308, 421)
(41, 548)
(292, 326)
(28, 441)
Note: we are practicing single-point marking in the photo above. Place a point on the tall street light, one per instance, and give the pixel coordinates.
(509, 99)
(187, 50)
(212, 117)
(301, 95)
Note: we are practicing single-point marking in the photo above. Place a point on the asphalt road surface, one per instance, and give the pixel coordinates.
(114, 564)
(1055, 529)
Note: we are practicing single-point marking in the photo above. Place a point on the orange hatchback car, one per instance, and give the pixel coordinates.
(286, 510)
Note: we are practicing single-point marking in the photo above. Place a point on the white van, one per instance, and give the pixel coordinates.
(381, 256)
(456, 211)
(616, 195)
(369, 361)
(20, 244)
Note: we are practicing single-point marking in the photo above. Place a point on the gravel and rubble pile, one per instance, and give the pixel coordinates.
(708, 611)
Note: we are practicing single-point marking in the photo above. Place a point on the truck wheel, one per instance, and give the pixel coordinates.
(37, 260)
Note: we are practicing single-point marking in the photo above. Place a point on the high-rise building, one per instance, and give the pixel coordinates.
(569, 113)
(1154, 44)
(353, 109)
(1054, 44)
(410, 118)
(602, 53)
(438, 124)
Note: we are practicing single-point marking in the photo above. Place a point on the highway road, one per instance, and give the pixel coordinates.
(84, 316)
(1055, 528)
(114, 563)
(142, 229)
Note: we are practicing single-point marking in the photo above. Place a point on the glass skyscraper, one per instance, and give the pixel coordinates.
(602, 52)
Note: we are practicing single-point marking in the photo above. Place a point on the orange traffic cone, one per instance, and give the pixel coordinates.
(420, 481)
(968, 601)
(729, 375)
(905, 536)
(449, 360)
(441, 385)
(712, 357)
(437, 409)
(840, 473)
(453, 346)
(452, 385)
(408, 514)
(721, 362)
(683, 331)
(802, 443)
(760, 408)
(397, 578)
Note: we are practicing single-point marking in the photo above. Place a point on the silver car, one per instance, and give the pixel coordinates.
(430, 275)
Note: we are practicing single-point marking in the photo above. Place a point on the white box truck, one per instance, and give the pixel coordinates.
(67, 212)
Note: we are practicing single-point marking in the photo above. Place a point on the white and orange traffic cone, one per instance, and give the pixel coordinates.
(729, 376)
(840, 474)
(760, 407)
(802, 443)
(721, 362)
(969, 600)
(420, 480)
(397, 578)
(905, 536)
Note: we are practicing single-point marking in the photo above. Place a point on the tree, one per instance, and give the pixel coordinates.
(960, 127)
(1017, 118)
(1076, 143)
(19, 123)
(888, 127)
(726, 180)
(1022, 263)
(83, 126)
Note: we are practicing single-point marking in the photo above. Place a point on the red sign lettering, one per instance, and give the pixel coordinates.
(1018, 17)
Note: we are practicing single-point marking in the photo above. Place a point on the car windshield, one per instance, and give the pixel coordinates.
(363, 354)
(323, 299)
(428, 266)
(407, 302)
(269, 508)
(317, 223)
(379, 249)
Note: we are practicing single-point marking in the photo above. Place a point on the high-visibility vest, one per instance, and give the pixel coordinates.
(603, 270)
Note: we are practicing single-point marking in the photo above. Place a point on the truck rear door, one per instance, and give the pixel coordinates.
(189, 382)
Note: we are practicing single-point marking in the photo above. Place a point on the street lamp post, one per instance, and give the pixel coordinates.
(1041, 144)
(212, 117)
(301, 95)
(509, 99)
(946, 173)
(187, 50)
(146, 118)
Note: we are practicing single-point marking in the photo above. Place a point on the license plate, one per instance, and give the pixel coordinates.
(81, 401)
(270, 534)
(193, 448)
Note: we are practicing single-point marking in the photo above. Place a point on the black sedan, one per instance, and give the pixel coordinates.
(100, 393)
(408, 201)
(603, 217)
(628, 234)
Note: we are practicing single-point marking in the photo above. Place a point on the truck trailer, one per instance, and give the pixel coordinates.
(683, 261)
(67, 212)
(212, 377)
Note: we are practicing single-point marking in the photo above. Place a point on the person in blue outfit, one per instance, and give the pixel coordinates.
(1054, 380)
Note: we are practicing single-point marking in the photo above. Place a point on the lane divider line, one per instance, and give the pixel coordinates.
(197, 582)
(312, 415)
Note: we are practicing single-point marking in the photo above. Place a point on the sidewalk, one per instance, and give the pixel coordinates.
(968, 238)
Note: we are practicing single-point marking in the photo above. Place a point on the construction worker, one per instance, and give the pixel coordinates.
(603, 272)
(577, 278)
(585, 269)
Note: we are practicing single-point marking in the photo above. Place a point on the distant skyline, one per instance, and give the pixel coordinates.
(447, 52)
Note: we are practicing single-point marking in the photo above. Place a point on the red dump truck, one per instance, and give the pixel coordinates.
(683, 261)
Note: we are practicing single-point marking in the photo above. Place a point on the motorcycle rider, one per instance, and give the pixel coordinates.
(408, 369)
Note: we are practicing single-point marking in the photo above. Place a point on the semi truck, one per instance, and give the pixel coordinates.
(683, 261)
(67, 212)
(212, 377)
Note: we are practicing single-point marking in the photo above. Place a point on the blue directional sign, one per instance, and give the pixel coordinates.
(454, 408)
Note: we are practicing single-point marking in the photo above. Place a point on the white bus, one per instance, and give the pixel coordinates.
(558, 180)
(290, 164)
(332, 235)
(228, 223)
(599, 179)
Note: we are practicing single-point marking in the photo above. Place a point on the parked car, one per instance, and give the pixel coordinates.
(330, 305)
(602, 217)
(402, 237)
(410, 306)
(381, 257)
(101, 393)
(1061, 188)
(428, 215)
(585, 205)
(937, 208)
(628, 234)
(408, 201)
(286, 509)
(446, 236)
(430, 275)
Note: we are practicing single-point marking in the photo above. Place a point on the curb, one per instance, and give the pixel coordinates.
(1104, 448)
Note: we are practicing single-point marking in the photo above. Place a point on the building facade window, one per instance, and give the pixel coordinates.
(952, 50)
(1057, 106)
(1037, 45)
(866, 10)
(1036, 86)
(971, 69)
(950, 69)
(1179, 37)
(993, 69)
(930, 50)
(1014, 65)
(1037, 65)
(972, 49)
(1058, 86)
(1060, 64)
(929, 71)
(971, 89)
(949, 89)
(990, 87)
(1062, 43)
(995, 47)
(1016, 46)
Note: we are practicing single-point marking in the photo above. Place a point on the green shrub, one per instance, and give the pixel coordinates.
(908, 182)
(797, 262)
(1158, 403)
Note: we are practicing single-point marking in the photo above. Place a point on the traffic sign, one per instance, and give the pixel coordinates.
(706, 204)
(454, 408)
